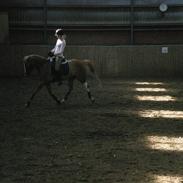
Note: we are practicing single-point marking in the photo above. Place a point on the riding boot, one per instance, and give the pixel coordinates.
(60, 74)
(53, 71)
(58, 77)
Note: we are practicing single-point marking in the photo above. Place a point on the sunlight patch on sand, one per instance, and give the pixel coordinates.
(167, 179)
(156, 98)
(149, 83)
(160, 114)
(150, 89)
(165, 143)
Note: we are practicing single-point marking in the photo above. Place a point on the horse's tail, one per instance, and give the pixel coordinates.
(92, 70)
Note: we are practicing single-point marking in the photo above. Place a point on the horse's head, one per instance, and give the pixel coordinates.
(28, 66)
(32, 62)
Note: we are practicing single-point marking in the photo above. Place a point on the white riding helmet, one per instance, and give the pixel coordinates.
(59, 32)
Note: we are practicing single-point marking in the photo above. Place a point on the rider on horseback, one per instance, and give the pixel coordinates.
(57, 56)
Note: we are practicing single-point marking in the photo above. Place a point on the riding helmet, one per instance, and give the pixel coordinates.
(59, 32)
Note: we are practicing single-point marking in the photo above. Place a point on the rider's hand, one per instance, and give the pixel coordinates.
(50, 54)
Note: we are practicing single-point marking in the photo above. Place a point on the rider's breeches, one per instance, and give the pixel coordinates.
(58, 62)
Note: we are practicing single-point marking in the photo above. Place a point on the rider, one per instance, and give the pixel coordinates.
(57, 53)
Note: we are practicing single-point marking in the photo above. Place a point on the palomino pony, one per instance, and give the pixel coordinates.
(78, 69)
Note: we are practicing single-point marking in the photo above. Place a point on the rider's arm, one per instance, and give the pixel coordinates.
(53, 50)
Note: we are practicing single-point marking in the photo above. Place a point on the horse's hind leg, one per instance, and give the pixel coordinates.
(70, 85)
(88, 91)
(48, 86)
(33, 95)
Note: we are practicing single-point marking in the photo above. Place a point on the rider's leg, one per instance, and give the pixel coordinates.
(58, 70)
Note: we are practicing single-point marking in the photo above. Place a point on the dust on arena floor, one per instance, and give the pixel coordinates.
(133, 133)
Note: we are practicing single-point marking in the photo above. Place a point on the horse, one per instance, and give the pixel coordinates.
(78, 69)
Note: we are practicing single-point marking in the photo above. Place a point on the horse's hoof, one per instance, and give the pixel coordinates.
(63, 101)
(27, 104)
(92, 100)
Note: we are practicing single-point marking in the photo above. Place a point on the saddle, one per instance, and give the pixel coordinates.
(63, 68)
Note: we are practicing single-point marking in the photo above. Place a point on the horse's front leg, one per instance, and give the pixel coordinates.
(34, 93)
(88, 91)
(70, 85)
(48, 86)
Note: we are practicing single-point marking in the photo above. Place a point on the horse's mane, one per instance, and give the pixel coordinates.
(35, 58)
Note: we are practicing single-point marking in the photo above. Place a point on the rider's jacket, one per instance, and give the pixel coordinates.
(58, 50)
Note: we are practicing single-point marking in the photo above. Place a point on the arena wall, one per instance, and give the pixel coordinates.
(110, 61)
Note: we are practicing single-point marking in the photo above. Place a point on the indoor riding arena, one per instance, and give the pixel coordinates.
(123, 120)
